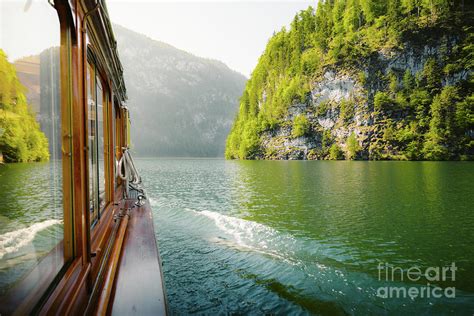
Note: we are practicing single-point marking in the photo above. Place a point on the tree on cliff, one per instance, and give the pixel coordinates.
(20, 137)
(346, 35)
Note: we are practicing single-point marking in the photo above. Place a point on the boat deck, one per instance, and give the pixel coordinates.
(138, 287)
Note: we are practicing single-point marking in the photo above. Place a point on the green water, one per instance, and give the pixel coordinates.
(287, 237)
(30, 217)
(306, 237)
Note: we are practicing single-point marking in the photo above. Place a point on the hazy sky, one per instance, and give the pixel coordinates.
(27, 28)
(234, 32)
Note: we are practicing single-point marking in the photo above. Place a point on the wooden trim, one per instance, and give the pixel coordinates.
(110, 148)
(98, 77)
(75, 300)
(100, 235)
(102, 36)
(83, 277)
(106, 292)
(23, 298)
(66, 133)
(139, 288)
(79, 151)
(64, 287)
(85, 135)
(73, 291)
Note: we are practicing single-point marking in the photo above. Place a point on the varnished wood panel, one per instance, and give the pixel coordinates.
(139, 286)
(73, 289)
(22, 298)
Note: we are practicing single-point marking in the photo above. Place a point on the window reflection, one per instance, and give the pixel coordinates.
(97, 143)
(31, 207)
(93, 173)
(101, 143)
(114, 144)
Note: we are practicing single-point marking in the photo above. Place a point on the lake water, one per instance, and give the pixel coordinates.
(30, 217)
(281, 237)
(307, 237)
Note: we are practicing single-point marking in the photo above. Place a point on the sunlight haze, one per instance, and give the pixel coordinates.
(233, 32)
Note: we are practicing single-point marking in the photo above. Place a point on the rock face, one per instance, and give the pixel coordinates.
(181, 104)
(323, 113)
(341, 104)
(363, 80)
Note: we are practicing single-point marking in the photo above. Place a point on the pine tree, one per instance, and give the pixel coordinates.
(442, 131)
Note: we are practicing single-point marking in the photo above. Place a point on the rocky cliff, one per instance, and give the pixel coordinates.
(406, 95)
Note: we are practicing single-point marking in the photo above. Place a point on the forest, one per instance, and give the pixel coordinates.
(21, 139)
(424, 114)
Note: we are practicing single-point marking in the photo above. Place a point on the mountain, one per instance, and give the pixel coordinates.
(180, 104)
(363, 79)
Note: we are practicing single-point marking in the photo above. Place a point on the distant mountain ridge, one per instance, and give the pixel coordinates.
(181, 104)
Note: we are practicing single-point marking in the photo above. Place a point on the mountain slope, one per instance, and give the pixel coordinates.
(363, 79)
(181, 105)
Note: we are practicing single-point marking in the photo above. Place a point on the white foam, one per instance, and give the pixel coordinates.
(254, 236)
(15, 240)
(153, 201)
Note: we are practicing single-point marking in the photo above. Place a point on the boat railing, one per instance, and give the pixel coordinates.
(127, 171)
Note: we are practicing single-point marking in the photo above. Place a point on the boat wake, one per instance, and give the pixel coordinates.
(15, 240)
(254, 236)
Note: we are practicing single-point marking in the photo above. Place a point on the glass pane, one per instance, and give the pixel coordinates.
(114, 144)
(92, 113)
(97, 113)
(101, 143)
(31, 204)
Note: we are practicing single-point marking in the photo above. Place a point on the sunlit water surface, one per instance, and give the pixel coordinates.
(296, 237)
(286, 238)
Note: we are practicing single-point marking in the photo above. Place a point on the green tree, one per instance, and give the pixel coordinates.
(372, 9)
(345, 35)
(346, 109)
(21, 139)
(420, 101)
(431, 75)
(408, 81)
(326, 141)
(335, 152)
(352, 16)
(382, 101)
(300, 126)
(393, 82)
(411, 7)
(394, 10)
(442, 125)
(352, 146)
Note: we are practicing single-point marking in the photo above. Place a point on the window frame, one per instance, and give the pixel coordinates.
(97, 76)
(29, 294)
(86, 248)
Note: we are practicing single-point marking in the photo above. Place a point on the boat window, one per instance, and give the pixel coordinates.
(114, 144)
(101, 143)
(98, 153)
(92, 139)
(31, 185)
